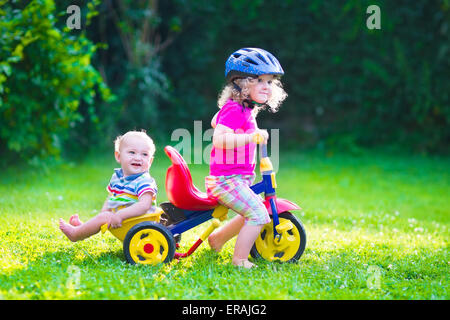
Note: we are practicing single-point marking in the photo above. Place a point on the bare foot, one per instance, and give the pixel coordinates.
(214, 243)
(75, 220)
(68, 230)
(244, 263)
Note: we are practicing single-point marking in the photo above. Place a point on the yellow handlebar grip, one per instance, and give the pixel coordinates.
(257, 138)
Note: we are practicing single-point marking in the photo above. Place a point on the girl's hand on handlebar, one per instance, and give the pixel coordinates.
(259, 135)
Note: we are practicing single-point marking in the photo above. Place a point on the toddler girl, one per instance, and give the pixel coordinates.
(252, 84)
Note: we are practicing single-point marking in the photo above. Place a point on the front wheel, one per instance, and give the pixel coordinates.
(149, 243)
(288, 248)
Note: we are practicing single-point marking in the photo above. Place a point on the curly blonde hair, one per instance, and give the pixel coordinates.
(231, 92)
(141, 134)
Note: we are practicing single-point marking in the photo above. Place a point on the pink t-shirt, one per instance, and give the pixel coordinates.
(240, 160)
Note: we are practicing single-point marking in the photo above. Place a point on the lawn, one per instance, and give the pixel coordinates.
(377, 227)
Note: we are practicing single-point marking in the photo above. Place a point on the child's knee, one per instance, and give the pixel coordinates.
(255, 222)
(259, 217)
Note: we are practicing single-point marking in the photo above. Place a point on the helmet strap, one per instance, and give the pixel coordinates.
(236, 86)
(247, 102)
(259, 104)
(251, 104)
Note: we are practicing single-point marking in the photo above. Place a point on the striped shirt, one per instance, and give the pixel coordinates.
(125, 191)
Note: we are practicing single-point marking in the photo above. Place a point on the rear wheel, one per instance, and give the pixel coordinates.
(290, 246)
(149, 243)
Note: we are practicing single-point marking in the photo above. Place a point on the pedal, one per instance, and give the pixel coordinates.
(172, 214)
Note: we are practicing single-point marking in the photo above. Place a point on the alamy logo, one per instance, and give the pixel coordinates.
(374, 20)
(374, 280)
(194, 152)
(74, 20)
(73, 280)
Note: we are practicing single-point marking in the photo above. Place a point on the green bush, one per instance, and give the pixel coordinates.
(45, 74)
(348, 86)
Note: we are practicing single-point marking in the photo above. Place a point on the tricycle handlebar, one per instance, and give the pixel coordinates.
(258, 139)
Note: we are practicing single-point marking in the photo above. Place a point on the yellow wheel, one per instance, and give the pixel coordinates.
(288, 248)
(149, 243)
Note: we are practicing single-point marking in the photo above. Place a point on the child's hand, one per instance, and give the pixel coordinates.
(262, 133)
(115, 221)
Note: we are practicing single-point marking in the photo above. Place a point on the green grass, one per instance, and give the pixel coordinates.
(377, 228)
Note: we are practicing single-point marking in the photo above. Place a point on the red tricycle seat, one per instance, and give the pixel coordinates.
(179, 187)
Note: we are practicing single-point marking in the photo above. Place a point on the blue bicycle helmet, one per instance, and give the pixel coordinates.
(251, 62)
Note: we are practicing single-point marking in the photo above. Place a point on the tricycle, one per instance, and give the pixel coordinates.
(154, 237)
